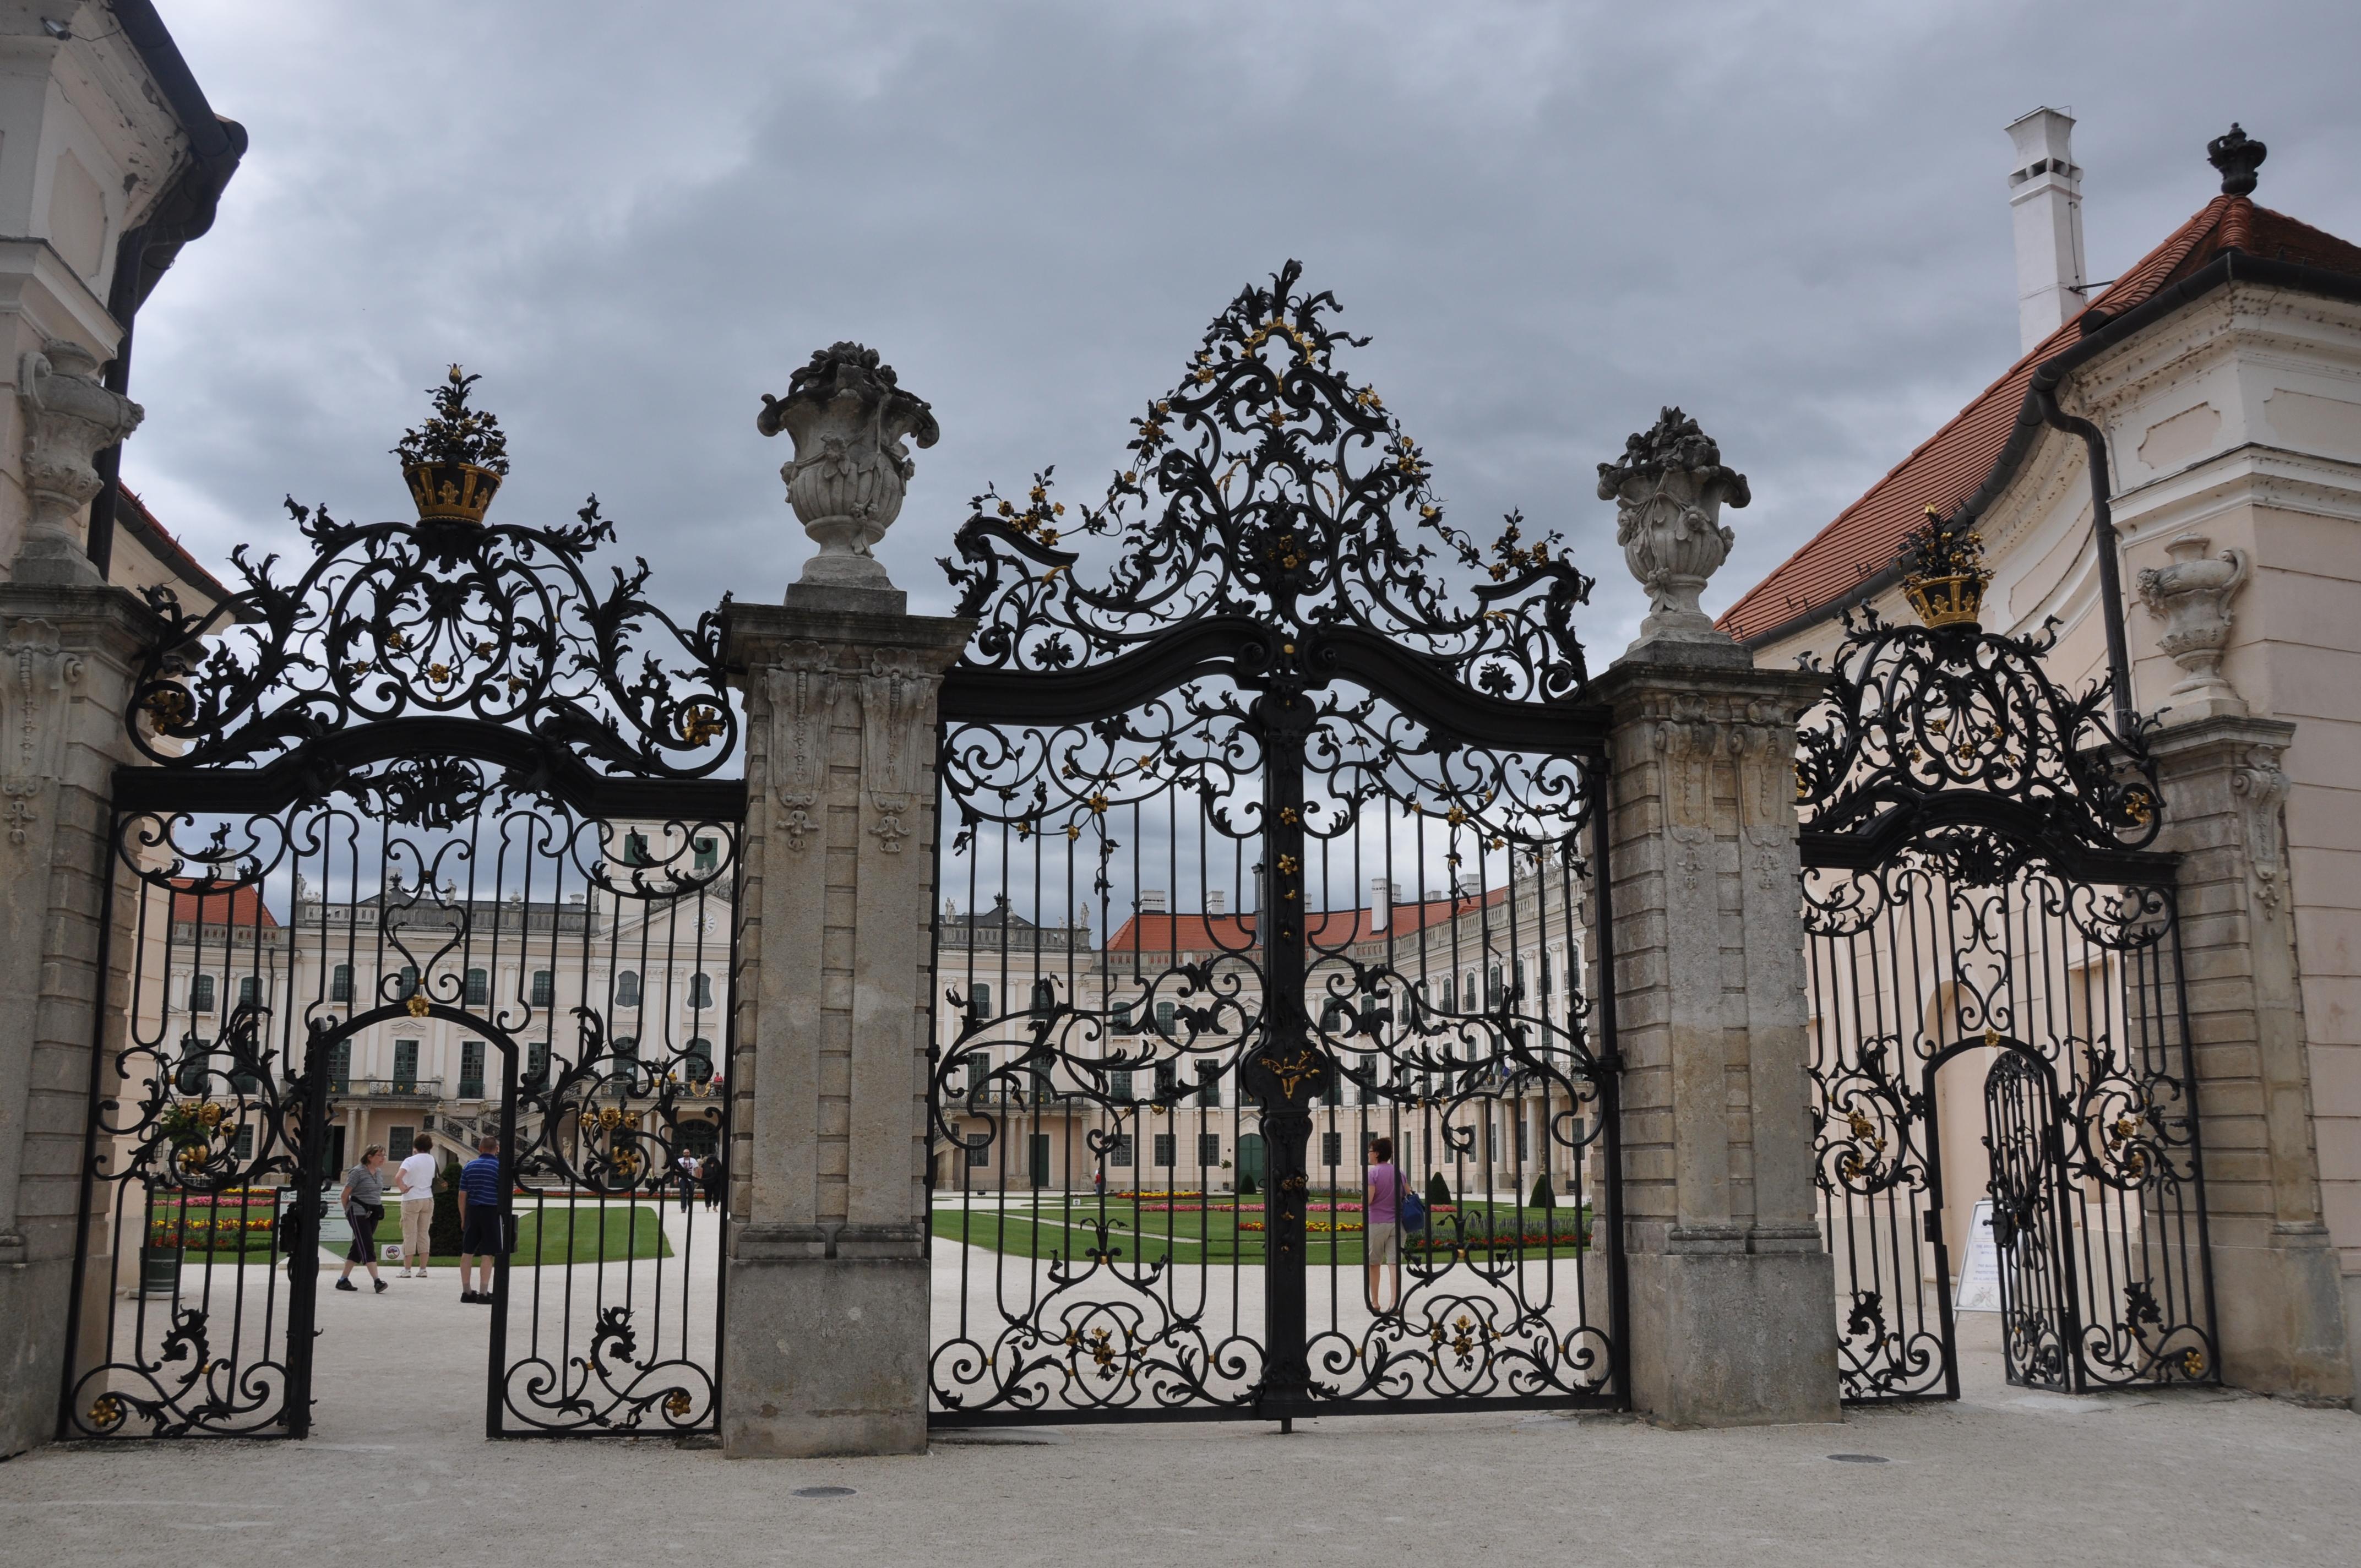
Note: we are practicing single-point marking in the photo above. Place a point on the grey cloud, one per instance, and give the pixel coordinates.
(1552, 218)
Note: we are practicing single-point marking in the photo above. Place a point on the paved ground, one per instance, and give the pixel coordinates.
(397, 1474)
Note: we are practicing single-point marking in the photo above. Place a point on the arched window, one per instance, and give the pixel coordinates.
(979, 1000)
(406, 986)
(700, 1060)
(340, 984)
(1120, 1020)
(1467, 995)
(1492, 986)
(1045, 998)
(627, 989)
(700, 991)
(709, 855)
(250, 991)
(201, 993)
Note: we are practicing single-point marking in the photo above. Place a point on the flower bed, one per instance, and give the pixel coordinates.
(1313, 1227)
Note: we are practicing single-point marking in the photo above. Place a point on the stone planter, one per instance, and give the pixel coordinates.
(160, 1270)
(848, 419)
(1669, 489)
(2191, 597)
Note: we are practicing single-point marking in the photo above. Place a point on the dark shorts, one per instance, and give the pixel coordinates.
(363, 1217)
(480, 1234)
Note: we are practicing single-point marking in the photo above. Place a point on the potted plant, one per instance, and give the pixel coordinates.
(456, 461)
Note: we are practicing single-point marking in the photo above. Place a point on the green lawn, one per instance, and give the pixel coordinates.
(1187, 1237)
(583, 1233)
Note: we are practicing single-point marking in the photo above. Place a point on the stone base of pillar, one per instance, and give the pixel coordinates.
(1724, 1337)
(32, 1346)
(825, 1351)
(2280, 1316)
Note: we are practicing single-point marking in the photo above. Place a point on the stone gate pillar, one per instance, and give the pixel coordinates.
(67, 658)
(828, 1283)
(2277, 1305)
(1732, 1293)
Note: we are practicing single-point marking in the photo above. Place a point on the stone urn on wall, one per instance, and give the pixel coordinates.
(849, 419)
(2191, 597)
(69, 418)
(1669, 489)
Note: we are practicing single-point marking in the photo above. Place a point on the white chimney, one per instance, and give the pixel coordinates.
(1151, 901)
(1381, 903)
(2046, 193)
(1217, 901)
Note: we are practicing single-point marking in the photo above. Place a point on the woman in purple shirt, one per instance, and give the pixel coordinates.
(1380, 1212)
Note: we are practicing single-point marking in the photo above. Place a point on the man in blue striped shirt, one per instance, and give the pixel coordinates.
(480, 1232)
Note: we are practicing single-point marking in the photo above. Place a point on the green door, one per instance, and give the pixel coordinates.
(1250, 1161)
(1040, 1159)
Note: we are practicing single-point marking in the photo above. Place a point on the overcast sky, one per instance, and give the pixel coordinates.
(633, 219)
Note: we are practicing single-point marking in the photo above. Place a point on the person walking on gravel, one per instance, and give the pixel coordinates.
(364, 1201)
(414, 1185)
(1380, 1217)
(481, 1235)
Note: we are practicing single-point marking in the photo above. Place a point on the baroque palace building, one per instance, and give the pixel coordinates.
(2206, 402)
(1000, 976)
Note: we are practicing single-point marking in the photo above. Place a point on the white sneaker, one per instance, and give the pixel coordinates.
(422, 1274)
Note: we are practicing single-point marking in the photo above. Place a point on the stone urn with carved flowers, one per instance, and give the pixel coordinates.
(2191, 597)
(1669, 487)
(849, 419)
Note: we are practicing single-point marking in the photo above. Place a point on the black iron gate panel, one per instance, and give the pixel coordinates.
(1256, 851)
(2000, 1054)
(430, 847)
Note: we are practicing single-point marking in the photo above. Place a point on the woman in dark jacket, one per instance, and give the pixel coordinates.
(364, 1201)
(716, 1180)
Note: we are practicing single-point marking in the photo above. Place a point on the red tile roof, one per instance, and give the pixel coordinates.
(1954, 463)
(223, 907)
(131, 514)
(1162, 933)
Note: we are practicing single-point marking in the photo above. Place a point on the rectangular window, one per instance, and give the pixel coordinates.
(248, 987)
(635, 849)
(1167, 1150)
(1119, 1085)
(1045, 998)
(1331, 1091)
(978, 1064)
(1168, 1080)
(1332, 1149)
(201, 993)
(1165, 1014)
(627, 1047)
(340, 1068)
(1522, 1143)
(627, 989)
(979, 1153)
(1365, 1093)
(1119, 1018)
(1119, 1154)
(544, 988)
(700, 991)
(407, 986)
(405, 1066)
(1209, 1150)
(699, 1061)
(1208, 1083)
(340, 984)
(480, 989)
(709, 855)
(471, 1070)
(242, 1146)
(979, 1001)
(397, 1149)
(536, 1061)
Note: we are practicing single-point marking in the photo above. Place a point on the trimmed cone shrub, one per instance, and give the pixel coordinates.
(1438, 1192)
(1246, 1188)
(1543, 1197)
(443, 1230)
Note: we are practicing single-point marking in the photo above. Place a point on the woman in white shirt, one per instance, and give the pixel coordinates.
(415, 1184)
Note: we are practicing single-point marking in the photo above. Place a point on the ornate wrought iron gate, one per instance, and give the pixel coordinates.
(433, 829)
(1997, 1012)
(1256, 848)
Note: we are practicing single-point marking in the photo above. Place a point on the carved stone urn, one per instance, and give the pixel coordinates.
(2191, 597)
(69, 419)
(1669, 489)
(848, 419)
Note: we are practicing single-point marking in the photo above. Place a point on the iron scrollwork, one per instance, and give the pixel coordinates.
(1254, 630)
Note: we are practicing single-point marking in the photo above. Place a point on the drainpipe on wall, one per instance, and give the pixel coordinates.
(2103, 533)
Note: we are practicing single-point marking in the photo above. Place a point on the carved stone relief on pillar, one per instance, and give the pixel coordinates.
(38, 675)
(897, 698)
(802, 691)
(2262, 789)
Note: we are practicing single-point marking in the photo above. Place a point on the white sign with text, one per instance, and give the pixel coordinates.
(1979, 1271)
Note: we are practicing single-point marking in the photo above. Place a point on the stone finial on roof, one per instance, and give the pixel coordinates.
(2237, 156)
